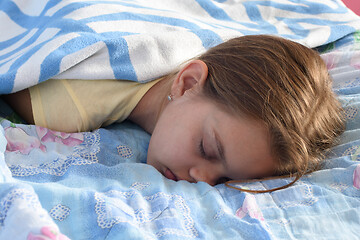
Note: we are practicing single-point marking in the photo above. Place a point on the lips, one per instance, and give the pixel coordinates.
(170, 175)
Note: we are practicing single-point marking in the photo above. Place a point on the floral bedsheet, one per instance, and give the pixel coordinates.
(97, 185)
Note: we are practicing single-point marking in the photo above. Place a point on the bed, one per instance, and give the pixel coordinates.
(97, 185)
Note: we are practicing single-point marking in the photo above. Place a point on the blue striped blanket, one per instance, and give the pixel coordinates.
(141, 40)
(96, 185)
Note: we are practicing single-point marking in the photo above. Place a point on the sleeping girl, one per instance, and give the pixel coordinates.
(252, 107)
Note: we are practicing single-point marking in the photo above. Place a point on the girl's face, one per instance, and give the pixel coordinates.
(195, 140)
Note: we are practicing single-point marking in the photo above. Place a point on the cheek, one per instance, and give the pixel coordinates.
(174, 138)
(155, 150)
(162, 147)
(171, 148)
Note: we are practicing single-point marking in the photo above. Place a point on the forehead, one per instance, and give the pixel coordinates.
(246, 145)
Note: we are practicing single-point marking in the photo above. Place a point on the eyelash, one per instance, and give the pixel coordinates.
(203, 154)
(202, 150)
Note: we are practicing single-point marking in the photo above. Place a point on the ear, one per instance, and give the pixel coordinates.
(192, 76)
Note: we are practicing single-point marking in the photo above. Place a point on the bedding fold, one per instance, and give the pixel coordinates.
(97, 185)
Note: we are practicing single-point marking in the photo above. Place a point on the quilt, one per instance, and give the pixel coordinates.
(97, 185)
(142, 40)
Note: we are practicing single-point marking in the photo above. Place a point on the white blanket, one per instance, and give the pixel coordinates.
(141, 40)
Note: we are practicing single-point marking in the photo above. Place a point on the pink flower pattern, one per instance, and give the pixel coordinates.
(355, 61)
(250, 208)
(68, 139)
(47, 233)
(19, 141)
(331, 59)
(356, 177)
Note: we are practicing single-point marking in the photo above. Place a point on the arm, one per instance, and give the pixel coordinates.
(21, 103)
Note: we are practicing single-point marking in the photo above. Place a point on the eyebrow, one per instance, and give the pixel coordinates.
(220, 148)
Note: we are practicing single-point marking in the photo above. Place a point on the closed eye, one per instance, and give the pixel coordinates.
(201, 149)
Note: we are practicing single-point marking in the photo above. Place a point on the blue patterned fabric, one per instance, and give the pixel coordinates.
(97, 185)
(143, 40)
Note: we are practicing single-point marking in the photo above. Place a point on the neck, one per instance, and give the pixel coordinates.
(148, 110)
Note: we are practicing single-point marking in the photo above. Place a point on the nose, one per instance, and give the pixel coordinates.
(207, 174)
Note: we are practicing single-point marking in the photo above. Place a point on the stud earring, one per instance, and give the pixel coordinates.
(169, 97)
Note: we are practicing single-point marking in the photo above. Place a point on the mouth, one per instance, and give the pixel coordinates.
(170, 175)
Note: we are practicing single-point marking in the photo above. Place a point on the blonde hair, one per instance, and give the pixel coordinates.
(285, 85)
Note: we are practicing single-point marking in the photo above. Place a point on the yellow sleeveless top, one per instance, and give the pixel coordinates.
(84, 105)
